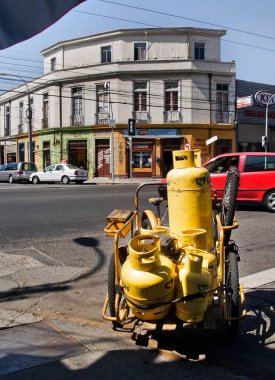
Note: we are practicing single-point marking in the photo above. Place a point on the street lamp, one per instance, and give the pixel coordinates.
(28, 113)
(266, 122)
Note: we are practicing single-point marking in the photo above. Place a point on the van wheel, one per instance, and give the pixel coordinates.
(11, 180)
(269, 201)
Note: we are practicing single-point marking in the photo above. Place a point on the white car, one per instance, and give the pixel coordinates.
(64, 173)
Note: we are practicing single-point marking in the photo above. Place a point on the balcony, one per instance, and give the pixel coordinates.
(45, 123)
(225, 117)
(172, 117)
(102, 118)
(141, 117)
(77, 120)
(20, 128)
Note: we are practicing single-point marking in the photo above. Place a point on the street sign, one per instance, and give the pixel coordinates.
(263, 141)
(211, 140)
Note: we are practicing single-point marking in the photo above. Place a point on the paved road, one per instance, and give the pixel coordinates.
(52, 247)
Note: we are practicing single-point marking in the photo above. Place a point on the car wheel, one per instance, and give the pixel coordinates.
(11, 180)
(65, 180)
(35, 180)
(269, 201)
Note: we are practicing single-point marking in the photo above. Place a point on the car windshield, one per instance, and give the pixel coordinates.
(70, 166)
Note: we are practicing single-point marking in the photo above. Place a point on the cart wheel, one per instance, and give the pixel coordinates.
(146, 225)
(232, 290)
(111, 284)
(148, 220)
(229, 200)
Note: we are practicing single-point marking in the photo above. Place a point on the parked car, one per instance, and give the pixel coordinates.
(17, 171)
(64, 173)
(257, 176)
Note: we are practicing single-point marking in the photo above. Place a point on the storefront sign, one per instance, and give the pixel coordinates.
(258, 114)
(246, 101)
(155, 132)
(211, 140)
(263, 97)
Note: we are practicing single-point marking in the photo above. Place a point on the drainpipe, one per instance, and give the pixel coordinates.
(210, 96)
(210, 108)
(60, 104)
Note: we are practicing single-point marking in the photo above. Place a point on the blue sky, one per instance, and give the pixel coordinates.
(250, 38)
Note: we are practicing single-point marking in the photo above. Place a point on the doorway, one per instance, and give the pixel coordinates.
(102, 158)
(78, 153)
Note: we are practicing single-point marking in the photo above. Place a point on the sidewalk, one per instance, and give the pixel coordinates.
(108, 181)
(57, 348)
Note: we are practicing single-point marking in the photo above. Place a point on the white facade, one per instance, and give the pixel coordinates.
(150, 62)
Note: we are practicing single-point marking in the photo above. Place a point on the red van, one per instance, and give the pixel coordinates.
(257, 176)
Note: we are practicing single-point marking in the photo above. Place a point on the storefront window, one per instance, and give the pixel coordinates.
(142, 160)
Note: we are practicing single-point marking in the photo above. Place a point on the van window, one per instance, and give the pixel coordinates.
(259, 163)
(28, 166)
(12, 166)
(222, 164)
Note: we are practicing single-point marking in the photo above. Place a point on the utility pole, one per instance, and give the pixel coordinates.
(265, 140)
(28, 113)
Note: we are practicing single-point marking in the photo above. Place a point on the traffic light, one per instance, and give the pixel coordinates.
(263, 141)
(131, 127)
(128, 142)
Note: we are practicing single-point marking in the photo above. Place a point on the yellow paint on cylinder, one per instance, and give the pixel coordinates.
(193, 278)
(148, 278)
(189, 196)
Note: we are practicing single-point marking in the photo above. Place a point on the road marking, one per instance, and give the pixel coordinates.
(258, 279)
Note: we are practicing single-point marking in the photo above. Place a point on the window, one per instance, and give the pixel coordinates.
(171, 96)
(140, 96)
(21, 151)
(140, 51)
(199, 50)
(106, 54)
(259, 163)
(102, 99)
(46, 154)
(59, 167)
(77, 106)
(45, 110)
(222, 164)
(7, 121)
(21, 117)
(53, 64)
(142, 160)
(50, 168)
(222, 100)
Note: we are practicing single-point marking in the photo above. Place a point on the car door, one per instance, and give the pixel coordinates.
(258, 177)
(48, 174)
(2, 172)
(58, 172)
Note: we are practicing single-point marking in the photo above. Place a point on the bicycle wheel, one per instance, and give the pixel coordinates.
(229, 200)
(111, 284)
(232, 289)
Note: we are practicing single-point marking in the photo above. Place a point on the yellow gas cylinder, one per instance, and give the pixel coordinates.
(193, 278)
(148, 278)
(189, 196)
(195, 240)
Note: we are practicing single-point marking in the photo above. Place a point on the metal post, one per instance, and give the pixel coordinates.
(29, 117)
(266, 122)
(131, 159)
(28, 113)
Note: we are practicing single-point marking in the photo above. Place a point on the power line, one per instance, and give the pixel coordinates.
(185, 18)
